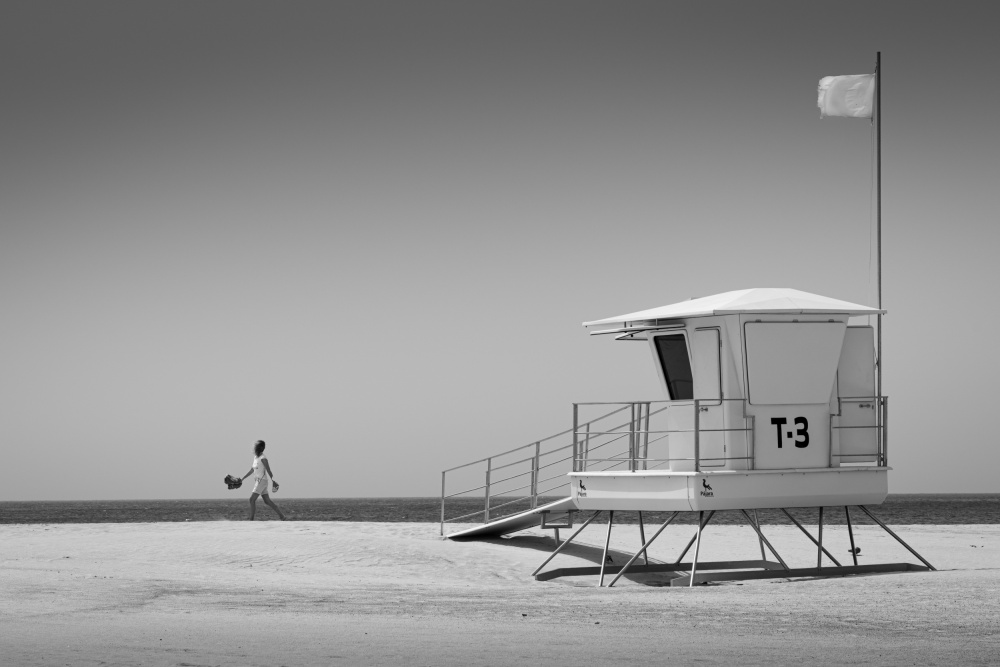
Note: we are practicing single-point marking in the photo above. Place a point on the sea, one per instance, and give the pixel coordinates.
(898, 509)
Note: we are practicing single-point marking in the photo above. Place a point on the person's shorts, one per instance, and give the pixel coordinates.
(261, 487)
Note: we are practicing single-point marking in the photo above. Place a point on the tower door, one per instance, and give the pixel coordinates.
(856, 417)
(705, 355)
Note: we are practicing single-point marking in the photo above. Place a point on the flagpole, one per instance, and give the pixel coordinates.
(878, 168)
(878, 210)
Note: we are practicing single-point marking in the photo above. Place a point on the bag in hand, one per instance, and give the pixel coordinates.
(233, 482)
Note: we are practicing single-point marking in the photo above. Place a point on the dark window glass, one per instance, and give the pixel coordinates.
(676, 365)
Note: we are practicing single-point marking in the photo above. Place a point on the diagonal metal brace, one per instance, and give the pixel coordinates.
(828, 554)
(566, 542)
(694, 537)
(763, 539)
(642, 550)
(886, 528)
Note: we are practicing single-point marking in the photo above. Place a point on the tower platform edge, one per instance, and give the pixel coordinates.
(668, 491)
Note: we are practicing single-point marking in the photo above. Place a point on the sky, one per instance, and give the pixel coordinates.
(367, 232)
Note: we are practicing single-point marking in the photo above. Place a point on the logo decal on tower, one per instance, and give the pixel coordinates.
(706, 489)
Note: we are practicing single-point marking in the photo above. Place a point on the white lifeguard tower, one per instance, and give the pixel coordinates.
(770, 402)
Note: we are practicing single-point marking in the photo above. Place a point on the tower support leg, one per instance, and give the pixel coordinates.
(607, 542)
(642, 539)
(850, 532)
(819, 554)
(898, 539)
(697, 548)
(705, 571)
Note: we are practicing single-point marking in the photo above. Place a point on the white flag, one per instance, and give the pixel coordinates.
(849, 95)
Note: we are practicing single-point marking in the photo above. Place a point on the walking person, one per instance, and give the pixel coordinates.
(261, 471)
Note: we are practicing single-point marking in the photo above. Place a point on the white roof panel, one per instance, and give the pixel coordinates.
(757, 300)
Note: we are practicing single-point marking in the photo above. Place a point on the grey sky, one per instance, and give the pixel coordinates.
(367, 232)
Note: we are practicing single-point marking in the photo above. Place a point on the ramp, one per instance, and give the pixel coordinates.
(512, 523)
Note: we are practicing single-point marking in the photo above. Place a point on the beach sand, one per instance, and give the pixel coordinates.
(337, 593)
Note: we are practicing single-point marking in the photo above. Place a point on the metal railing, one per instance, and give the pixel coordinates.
(881, 406)
(641, 433)
(624, 436)
(512, 481)
(687, 424)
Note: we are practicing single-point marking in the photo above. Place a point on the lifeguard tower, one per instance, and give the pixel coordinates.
(771, 402)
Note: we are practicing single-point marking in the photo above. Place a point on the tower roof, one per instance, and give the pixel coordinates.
(756, 300)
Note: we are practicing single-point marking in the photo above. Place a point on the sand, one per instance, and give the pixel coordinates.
(332, 593)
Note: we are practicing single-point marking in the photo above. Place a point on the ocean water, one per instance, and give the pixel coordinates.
(898, 509)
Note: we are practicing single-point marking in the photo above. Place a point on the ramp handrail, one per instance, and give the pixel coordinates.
(530, 444)
(527, 488)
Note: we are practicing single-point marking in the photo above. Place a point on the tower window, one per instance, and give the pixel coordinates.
(673, 353)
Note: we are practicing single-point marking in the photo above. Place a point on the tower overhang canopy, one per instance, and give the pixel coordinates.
(762, 300)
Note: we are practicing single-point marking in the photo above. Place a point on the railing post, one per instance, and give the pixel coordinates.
(486, 512)
(645, 444)
(631, 439)
(830, 436)
(442, 502)
(534, 476)
(586, 449)
(576, 442)
(697, 440)
(885, 430)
